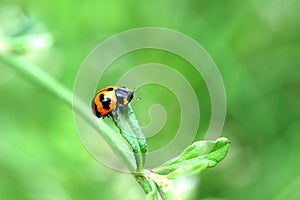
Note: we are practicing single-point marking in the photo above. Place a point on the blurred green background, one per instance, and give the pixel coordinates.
(255, 45)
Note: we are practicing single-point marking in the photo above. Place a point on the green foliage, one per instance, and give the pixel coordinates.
(195, 158)
(128, 125)
(254, 43)
(158, 182)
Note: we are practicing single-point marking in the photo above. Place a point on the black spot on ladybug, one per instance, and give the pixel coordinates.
(106, 103)
(101, 97)
(95, 109)
(110, 89)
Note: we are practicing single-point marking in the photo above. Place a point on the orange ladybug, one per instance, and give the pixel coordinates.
(108, 98)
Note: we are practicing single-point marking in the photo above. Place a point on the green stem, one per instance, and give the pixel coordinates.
(148, 186)
(33, 73)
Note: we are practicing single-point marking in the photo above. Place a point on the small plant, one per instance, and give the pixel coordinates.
(158, 183)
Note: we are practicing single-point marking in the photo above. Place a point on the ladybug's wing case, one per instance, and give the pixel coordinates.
(109, 88)
(104, 102)
(95, 109)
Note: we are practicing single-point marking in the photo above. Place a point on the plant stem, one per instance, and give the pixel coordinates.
(148, 186)
(33, 73)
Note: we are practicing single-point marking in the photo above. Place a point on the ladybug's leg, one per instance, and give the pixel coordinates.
(108, 115)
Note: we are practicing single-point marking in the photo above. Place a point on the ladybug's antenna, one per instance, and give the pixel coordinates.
(136, 98)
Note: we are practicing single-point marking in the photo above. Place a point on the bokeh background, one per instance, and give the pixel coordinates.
(255, 45)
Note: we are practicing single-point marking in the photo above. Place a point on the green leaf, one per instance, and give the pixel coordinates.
(195, 158)
(188, 168)
(128, 125)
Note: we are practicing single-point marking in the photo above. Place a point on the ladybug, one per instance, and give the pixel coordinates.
(109, 98)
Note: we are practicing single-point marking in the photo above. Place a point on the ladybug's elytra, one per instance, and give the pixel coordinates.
(108, 98)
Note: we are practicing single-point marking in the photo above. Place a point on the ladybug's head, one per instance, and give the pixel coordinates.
(124, 95)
